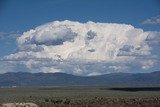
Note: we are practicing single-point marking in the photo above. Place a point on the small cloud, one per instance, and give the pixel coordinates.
(152, 21)
(8, 42)
(147, 64)
(4, 35)
(93, 74)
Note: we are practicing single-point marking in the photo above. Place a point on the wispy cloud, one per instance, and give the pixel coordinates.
(10, 35)
(8, 42)
(152, 20)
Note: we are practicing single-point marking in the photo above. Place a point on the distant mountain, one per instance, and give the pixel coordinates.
(62, 79)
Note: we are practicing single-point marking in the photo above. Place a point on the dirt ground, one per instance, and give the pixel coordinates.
(102, 102)
(19, 105)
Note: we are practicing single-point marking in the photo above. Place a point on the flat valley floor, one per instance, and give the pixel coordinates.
(83, 96)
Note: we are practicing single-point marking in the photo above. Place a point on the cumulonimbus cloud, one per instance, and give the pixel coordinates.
(85, 48)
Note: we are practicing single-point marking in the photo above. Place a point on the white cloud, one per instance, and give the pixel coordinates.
(153, 20)
(147, 64)
(93, 74)
(119, 68)
(85, 48)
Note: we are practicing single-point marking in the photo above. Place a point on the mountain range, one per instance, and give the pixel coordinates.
(23, 79)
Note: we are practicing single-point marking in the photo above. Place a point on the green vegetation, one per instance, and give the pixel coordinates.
(49, 94)
(82, 96)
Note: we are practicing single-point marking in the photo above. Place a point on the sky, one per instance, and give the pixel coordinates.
(18, 16)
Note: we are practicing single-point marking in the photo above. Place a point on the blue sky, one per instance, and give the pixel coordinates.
(18, 16)
(22, 15)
